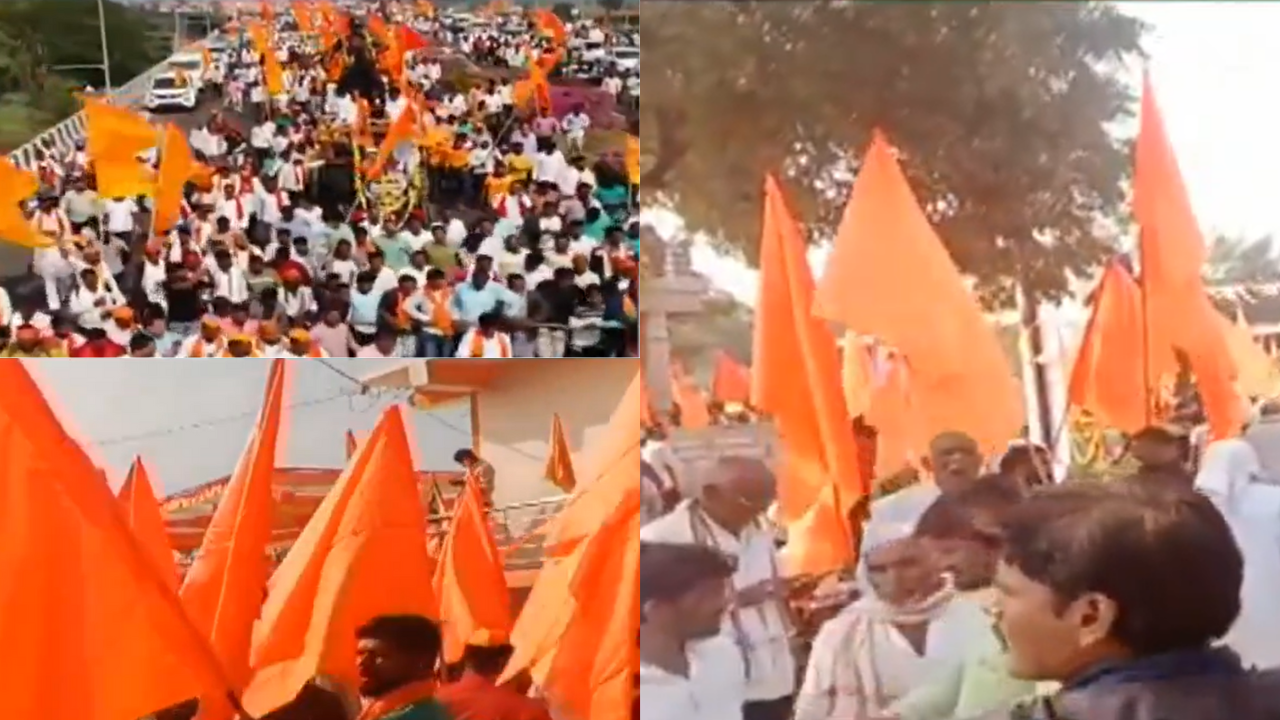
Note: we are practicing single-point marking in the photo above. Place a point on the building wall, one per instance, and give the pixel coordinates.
(516, 414)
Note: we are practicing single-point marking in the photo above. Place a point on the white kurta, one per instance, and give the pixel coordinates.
(714, 689)
(860, 663)
(770, 665)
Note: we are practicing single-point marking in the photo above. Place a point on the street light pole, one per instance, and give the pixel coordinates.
(102, 30)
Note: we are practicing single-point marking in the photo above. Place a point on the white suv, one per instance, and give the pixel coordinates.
(171, 91)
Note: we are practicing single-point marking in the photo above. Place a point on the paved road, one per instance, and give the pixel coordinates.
(15, 262)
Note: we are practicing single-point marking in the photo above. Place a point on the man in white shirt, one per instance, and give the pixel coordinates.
(723, 510)
(688, 671)
(955, 462)
(575, 126)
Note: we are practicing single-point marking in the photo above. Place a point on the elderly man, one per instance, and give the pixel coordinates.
(954, 462)
(723, 509)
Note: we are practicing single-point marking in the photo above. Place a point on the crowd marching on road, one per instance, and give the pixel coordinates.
(401, 183)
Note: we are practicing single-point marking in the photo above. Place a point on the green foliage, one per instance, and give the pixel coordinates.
(1241, 261)
(1001, 112)
(563, 10)
(39, 36)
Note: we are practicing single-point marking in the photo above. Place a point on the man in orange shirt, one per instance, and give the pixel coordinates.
(476, 696)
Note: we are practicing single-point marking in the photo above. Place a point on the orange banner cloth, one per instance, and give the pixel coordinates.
(886, 249)
(362, 554)
(94, 629)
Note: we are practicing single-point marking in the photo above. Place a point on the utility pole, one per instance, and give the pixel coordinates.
(106, 57)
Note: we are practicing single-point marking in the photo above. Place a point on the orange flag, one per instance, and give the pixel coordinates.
(693, 404)
(533, 91)
(796, 379)
(1173, 251)
(362, 554)
(123, 178)
(142, 510)
(559, 468)
(470, 581)
(272, 73)
(16, 186)
(576, 634)
(633, 159)
(97, 631)
(177, 167)
(403, 130)
(223, 589)
(113, 132)
(730, 381)
(1107, 378)
(960, 375)
(616, 470)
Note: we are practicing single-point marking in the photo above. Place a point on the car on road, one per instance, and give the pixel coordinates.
(624, 60)
(172, 91)
(192, 65)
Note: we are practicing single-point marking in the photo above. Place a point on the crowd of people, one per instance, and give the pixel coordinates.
(505, 228)
(984, 589)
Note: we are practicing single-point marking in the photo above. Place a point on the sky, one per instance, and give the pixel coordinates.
(1215, 67)
(190, 420)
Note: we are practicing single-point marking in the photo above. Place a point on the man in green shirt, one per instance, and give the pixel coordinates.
(396, 657)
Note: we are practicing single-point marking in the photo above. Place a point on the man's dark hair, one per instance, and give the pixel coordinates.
(670, 570)
(414, 635)
(140, 341)
(955, 516)
(463, 455)
(486, 661)
(1164, 555)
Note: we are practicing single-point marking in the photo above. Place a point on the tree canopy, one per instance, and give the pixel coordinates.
(38, 36)
(1003, 114)
(1242, 261)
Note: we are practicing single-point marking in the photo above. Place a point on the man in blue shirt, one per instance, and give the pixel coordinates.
(479, 294)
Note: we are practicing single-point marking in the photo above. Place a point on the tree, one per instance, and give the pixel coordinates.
(38, 37)
(563, 10)
(1001, 113)
(1242, 261)
(611, 6)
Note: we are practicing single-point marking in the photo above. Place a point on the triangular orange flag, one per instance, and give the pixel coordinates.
(98, 632)
(576, 634)
(730, 381)
(403, 130)
(1173, 251)
(616, 471)
(362, 554)
(16, 186)
(559, 468)
(177, 167)
(224, 587)
(1107, 378)
(142, 510)
(470, 581)
(885, 243)
(796, 379)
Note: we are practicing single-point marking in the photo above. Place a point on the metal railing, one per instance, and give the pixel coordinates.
(62, 137)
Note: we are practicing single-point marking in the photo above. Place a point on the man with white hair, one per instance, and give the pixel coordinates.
(906, 632)
(723, 509)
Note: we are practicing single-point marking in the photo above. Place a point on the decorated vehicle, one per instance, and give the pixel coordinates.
(172, 90)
